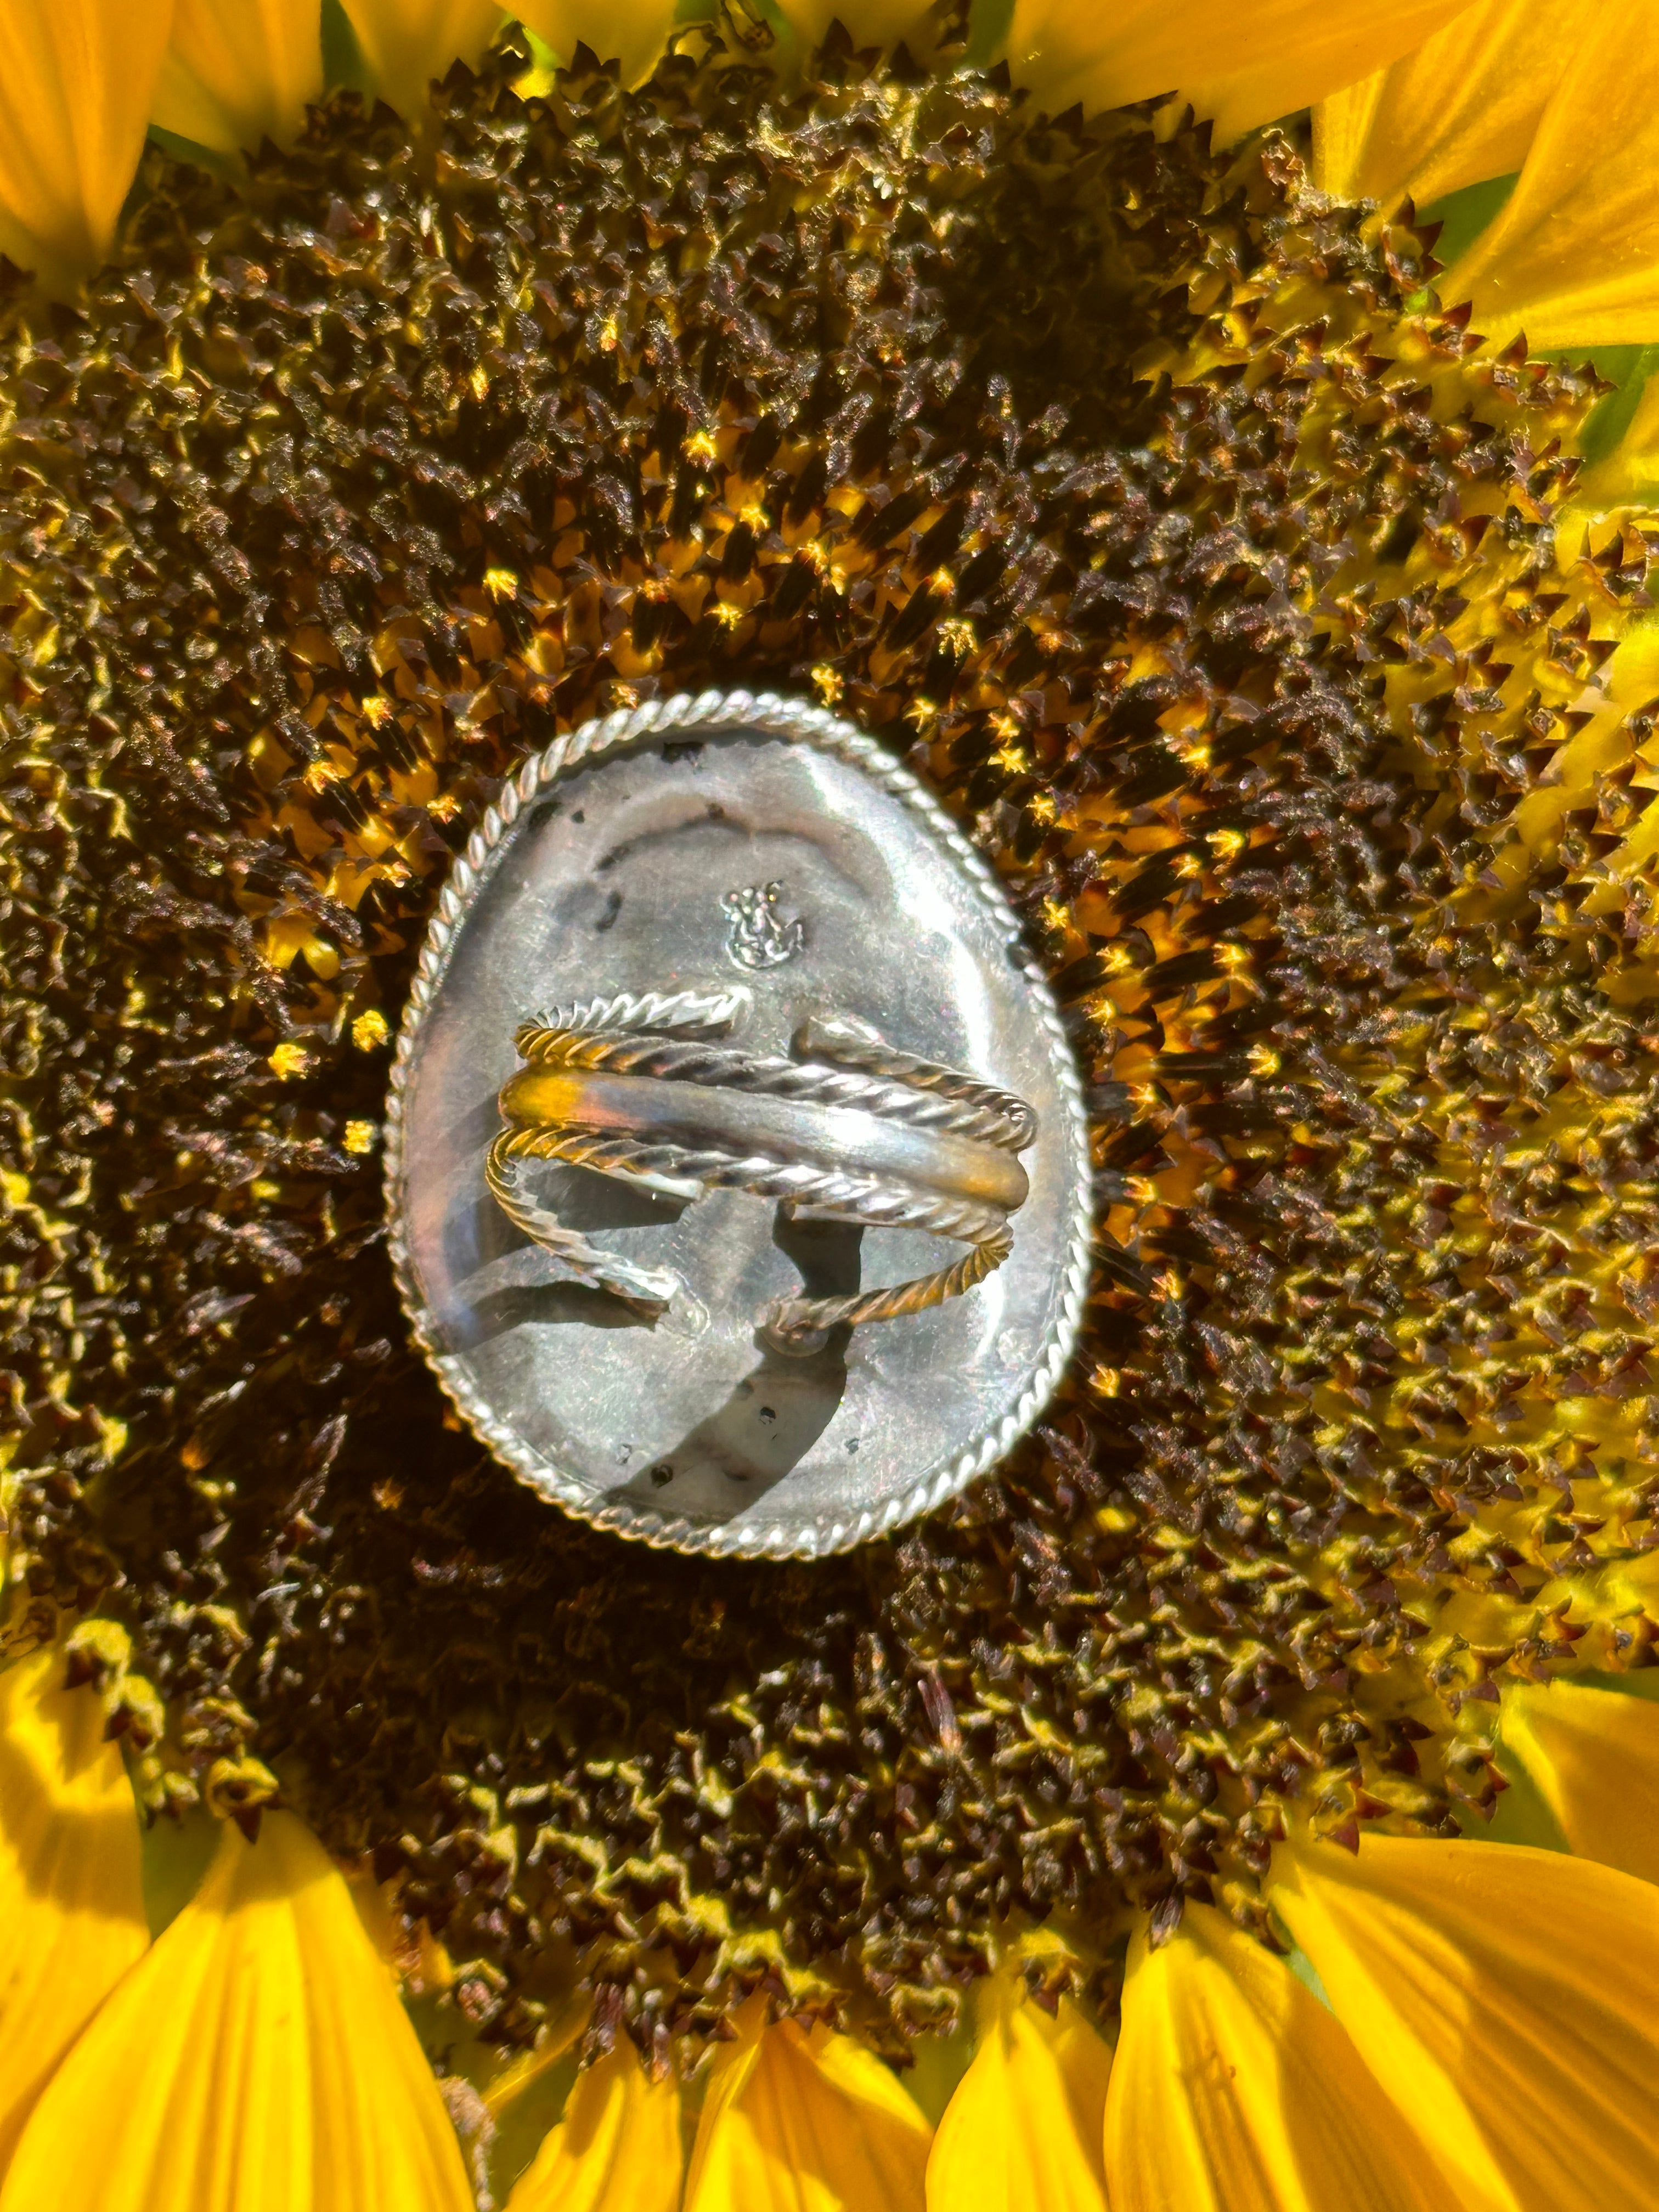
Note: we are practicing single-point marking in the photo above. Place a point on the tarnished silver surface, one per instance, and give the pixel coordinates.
(763, 854)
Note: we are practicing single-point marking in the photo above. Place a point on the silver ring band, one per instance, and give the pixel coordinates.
(851, 1129)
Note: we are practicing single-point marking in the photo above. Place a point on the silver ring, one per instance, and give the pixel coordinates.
(848, 1129)
(779, 867)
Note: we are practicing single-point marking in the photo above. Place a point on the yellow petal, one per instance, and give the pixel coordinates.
(631, 31)
(1461, 109)
(1022, 2131)
(1594, 1757)
(1503, 1996)
(1234, 2090)
(618, 2145)
(71, 1905)
(240, 70)
(1573, 258)
(256, 2060)
(800, 2122)
(405, 44)
(75, 101)
(1260, 58)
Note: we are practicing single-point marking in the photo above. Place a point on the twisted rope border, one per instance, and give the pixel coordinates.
(793, 722)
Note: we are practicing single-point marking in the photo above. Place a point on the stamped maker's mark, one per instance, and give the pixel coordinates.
(760, 935)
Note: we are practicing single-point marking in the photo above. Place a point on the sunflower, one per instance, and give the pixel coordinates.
(1244, 1797)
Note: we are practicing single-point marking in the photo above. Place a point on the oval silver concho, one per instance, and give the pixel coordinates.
(720, 1026)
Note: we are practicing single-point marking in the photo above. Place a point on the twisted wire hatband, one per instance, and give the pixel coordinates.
(852, 1130)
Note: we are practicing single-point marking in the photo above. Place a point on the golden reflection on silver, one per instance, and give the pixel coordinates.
(850, 1129)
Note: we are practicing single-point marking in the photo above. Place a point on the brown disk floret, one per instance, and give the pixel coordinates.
(1226, 599)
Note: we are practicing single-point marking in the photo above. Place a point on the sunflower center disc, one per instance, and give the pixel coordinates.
(747, 957)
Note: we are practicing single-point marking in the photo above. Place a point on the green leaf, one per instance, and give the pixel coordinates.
(1463, 215)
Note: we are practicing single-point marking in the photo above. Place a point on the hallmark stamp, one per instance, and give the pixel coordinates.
(760, 935)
